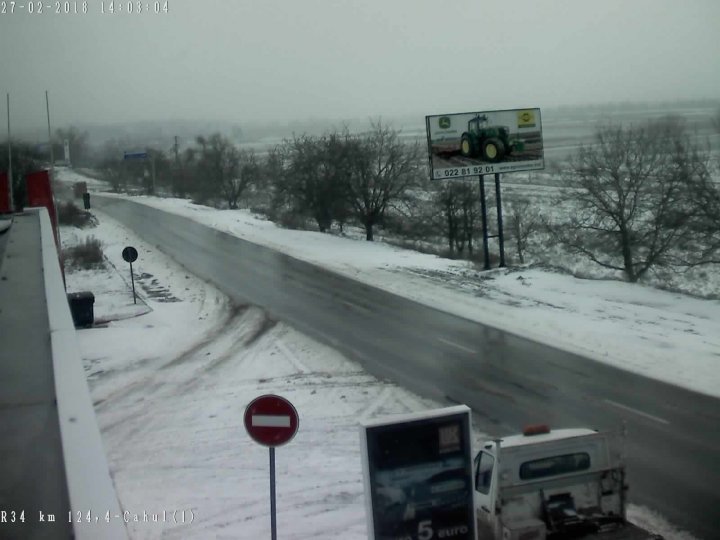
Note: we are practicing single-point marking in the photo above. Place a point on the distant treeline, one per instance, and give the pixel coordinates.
(637, 200)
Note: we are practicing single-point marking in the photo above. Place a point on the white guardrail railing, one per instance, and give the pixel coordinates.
(90, 487)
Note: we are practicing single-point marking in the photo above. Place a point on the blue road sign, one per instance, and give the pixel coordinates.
(135, 155)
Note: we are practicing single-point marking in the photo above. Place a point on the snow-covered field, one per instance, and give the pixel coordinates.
(170, 387)
(171, 377)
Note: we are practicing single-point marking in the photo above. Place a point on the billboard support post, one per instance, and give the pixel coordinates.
(483, 208)
(501, 239)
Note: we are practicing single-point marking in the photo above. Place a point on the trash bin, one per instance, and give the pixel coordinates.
(81, 307)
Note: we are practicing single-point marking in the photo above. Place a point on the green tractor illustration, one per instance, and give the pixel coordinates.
(493, 143)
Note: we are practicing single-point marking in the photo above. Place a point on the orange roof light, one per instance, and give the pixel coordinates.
(536, 429)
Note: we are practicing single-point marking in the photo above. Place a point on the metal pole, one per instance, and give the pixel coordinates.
(483, 208)
(132, 280)
(10, 173)
(153, 174)
(501, 239)
(52, 179)
(273, 524)
(52, 151)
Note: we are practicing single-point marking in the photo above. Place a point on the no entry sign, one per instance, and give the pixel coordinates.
(129, 254)
(271, 420)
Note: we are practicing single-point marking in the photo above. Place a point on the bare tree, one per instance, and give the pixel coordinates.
(715, 120)
(111, 172)
(630, 209)
(524, 221)
(457, 203)
(248, 173)
(313, 180)
(703, 245)
(225, 171)
(383, 169)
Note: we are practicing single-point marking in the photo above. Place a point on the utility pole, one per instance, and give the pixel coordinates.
(177, 156)
(52, 179)
(52, 153)
(152, 163)
(10, 173)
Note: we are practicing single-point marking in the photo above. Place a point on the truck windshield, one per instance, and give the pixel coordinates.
(551, 466)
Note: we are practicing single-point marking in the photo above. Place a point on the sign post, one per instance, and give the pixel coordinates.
(271, 421)
(130, 255)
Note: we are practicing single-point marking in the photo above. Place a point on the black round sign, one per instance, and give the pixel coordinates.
(129, 254)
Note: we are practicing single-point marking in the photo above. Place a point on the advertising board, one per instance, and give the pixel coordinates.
(488, 142)
(418, 476)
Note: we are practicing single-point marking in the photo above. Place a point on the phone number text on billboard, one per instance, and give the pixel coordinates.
(476, 170)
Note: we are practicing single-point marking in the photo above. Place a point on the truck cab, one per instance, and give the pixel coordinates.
(567, 483)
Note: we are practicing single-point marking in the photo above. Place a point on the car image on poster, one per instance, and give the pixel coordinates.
(418, 476)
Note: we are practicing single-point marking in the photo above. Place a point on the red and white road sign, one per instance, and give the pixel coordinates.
(271, 420)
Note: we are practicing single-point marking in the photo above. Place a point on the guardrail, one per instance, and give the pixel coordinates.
(90, 487)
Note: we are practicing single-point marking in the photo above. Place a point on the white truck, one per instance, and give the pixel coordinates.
(566, 483)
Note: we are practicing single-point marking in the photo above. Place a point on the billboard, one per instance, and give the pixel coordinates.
(418, 476)
(488, 142)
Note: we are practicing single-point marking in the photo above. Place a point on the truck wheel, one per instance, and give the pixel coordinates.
(493, 150)
(466, 146)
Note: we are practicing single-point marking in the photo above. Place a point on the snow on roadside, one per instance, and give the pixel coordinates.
(668, 336)
(170, 387)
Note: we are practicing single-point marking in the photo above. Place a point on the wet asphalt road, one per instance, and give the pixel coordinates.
(673, 444)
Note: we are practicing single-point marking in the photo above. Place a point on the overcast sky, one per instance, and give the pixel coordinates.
(243, 60)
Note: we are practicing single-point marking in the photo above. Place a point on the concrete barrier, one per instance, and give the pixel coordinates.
(90, 487)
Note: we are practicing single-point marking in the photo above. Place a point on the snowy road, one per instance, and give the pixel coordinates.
(673, 441)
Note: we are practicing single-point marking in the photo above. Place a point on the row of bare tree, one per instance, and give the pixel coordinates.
(639, 197)
(330, 178)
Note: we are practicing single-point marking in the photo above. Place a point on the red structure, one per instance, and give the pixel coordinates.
(39, 193)
(5, 205)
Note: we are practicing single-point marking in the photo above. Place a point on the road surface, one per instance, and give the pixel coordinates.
(509, 381)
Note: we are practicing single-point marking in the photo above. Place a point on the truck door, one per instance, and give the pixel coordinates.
(484, 490)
